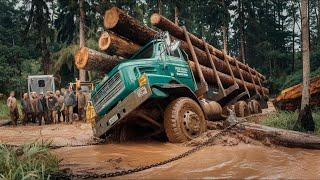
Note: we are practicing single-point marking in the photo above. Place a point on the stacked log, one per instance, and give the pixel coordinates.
(290, 98)
(121, 49)
(128, 35)
(176, 31)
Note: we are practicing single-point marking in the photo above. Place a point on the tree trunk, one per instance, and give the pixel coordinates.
(318, 22)
(279, 136)
(293, 36)
(176, 31)
(225, 30)
(241, 28)
(124, 25)
(91, 60)
(305, 54)
(82, 73)
(113, 44)
(176, 16)
(120, 46)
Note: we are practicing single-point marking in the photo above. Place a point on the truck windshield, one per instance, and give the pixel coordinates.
(146, 53)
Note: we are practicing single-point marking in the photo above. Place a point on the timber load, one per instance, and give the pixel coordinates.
(290, 98)
(125, 35)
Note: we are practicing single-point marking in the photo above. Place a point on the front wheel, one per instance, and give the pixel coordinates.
(183, 120)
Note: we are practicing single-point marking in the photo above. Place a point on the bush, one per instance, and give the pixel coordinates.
(287, 120)
(4, 111)
(33, 161)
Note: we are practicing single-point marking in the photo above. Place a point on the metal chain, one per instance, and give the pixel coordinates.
(142, 168)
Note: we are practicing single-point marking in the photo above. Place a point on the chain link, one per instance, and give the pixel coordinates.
(142, 168)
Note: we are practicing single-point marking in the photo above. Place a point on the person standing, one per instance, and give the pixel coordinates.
(81, 105)
(60, 107)
(52, 107)
(42, 109)
(12, 105)
(69, 103)
(34, 106)
(26, 108)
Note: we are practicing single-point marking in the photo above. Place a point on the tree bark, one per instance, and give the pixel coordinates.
(293, 36)
(82, 73)
(113, 44)
(176, 16)
(241, 28)
(91, 60)
(318, 20)
(124, 25)
(176, 31)
(279, 136)
(225, 30)
(305, 54)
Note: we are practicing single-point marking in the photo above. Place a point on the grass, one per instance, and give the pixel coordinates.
(32, 161)
(4, 111)
(287, 120)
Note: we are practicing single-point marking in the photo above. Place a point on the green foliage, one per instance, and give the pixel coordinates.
(4, 110)
(287, 120)
(32, 161)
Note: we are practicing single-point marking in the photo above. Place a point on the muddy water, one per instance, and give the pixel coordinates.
(241, 161)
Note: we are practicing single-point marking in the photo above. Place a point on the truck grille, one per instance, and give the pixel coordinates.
(112, 87)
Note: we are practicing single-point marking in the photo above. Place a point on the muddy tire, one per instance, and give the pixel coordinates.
(255, 107)
(183, 120)
(241, 109)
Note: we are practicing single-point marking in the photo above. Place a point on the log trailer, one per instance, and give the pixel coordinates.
(155, 89)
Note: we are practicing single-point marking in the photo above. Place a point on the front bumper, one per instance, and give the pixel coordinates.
(125, 107)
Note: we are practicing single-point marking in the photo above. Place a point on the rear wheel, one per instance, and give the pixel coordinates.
(183, 120)
(242, 109)
(255, 107)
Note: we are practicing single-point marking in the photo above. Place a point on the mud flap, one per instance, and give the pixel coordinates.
(125, 107)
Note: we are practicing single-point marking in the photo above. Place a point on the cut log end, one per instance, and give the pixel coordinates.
(81, 58)
(111, 17)
(155, 18)
(104, 41)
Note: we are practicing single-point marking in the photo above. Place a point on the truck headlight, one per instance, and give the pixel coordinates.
(143, 79)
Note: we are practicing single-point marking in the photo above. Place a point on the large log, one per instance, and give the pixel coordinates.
(109, 42)
(280, 136)
(176, 31)
(91, 60)
(124, 25)
(290, 98)
(226, 79)
(114, 44)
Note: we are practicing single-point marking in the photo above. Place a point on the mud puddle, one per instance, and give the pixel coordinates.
(240, 161)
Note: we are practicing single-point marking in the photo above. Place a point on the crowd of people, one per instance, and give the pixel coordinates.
(49, 107)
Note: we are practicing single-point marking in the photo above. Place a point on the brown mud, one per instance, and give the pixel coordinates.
(58, 134)
(232, 155)
(240, 161)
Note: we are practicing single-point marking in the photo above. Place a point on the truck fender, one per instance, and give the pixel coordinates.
(177, 90)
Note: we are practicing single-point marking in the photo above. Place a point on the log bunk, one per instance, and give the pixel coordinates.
(125, 35)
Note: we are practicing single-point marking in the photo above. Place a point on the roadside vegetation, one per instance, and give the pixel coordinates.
(287, 120)
(4, 111)
(32, 161)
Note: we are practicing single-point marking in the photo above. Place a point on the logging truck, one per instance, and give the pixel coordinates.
(156, 92)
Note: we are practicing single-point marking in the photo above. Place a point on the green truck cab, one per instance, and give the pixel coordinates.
(154, 92)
